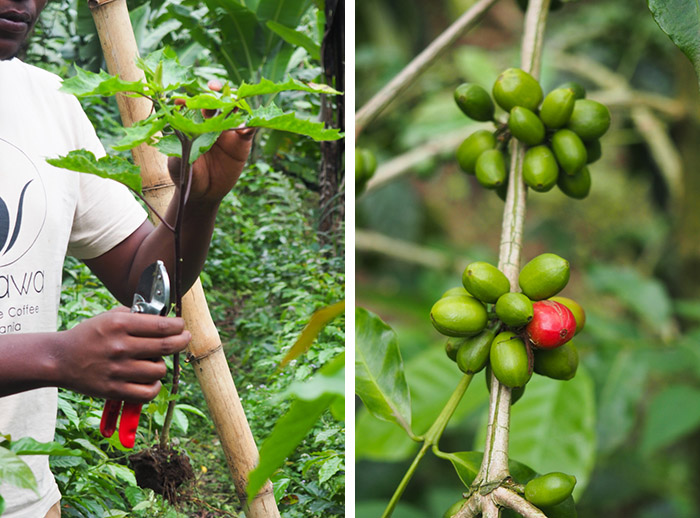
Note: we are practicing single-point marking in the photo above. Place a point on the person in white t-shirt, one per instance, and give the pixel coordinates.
(47, 213)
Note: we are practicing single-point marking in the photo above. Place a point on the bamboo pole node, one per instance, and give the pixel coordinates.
(94, 4)
(191, 358)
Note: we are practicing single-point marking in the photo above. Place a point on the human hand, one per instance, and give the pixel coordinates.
(118, 354)
(216, 172)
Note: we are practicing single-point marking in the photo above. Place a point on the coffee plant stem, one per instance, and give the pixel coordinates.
(508, 498)
(430, 439)
(185, 180)
(494, 467)
(404, 481)
(420, 63)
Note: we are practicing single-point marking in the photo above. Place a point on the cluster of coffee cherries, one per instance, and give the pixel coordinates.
(512, 334)
(561, 132)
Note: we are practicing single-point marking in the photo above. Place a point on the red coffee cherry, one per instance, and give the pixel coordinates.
(552, 324)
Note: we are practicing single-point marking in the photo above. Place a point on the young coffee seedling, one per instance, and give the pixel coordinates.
(178, 127)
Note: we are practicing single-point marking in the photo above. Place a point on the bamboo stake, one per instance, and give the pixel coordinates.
(205, 351)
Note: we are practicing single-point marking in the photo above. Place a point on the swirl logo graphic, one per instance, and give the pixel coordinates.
(22, 203)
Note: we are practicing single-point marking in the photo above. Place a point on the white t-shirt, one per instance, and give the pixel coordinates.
(45, 214)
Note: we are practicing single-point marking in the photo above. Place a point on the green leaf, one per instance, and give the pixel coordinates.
(432, 377)
(645, 296)
(202, 144)
(296, 39)
(317, 322)
(380, 380)
(288, 432)
(180, 420)
(140, 133)
(619, 400)
(330, 468)
(85, 83)
(2, 505)
(14, 471)
(112, 167)
(680, 20)
(328, 381)
(193, 127)
(552, 427)
(672, 414)
(29, 446)
(265, 86)
(289, 122)
(192, 410)
(163, 68)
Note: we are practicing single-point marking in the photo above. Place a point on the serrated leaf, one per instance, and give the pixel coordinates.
(432, 377)
(140, 133)
(680, 20)
(313, 328)
(162, 67)
(672, 414)
(380, 380)
(14, 471)
(112, 167)
(289, 122)
(193, 127)
(552, 428)
(296, 39)
(169, 145)
(265, 87)
(85, 83)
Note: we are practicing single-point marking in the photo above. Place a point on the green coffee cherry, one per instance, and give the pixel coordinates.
(514, 309)
(557, 107)
(452, 346)
(473, 353)
(526, 126)
(469, 151)
(515, 393)
(509, 360)
(360, 171)
(459, 315)
(540, 168)
(579, 91)
(454, 508)
(370, 162)
(593, 151)
(576, 309)
(457, 290)
(550, 489)
(491, 169)
(475, 102)
(569, 151)
(544, 276)
(559, 363)
(577, 185)
(485, 281)
(589, 120)
(515, 87)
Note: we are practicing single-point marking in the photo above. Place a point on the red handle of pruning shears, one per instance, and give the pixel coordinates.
(152, 297)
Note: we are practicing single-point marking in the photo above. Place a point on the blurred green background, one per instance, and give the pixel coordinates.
(633, 246)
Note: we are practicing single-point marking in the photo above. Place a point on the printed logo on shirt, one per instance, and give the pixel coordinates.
(23, 203)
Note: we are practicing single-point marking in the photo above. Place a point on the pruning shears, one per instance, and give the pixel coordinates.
(152, 297)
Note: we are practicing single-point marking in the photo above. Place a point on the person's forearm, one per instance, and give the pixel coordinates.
(28, 361)
(197, 228)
